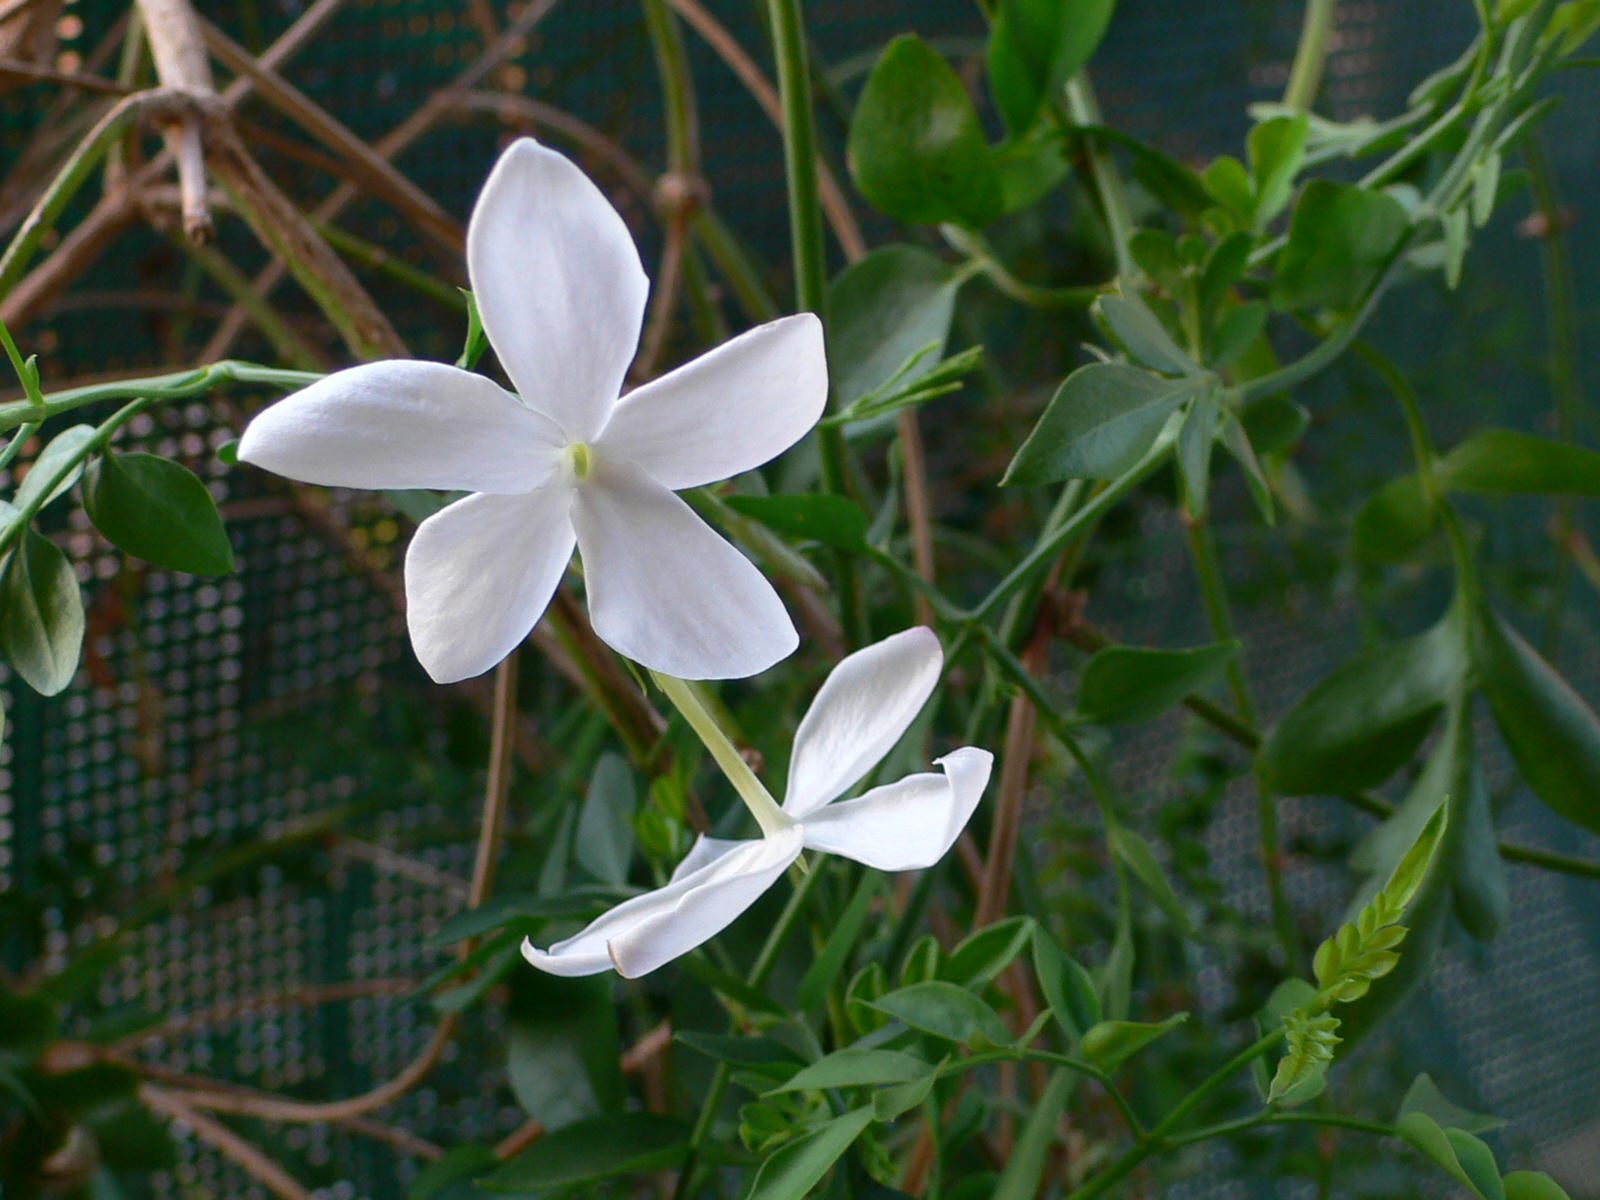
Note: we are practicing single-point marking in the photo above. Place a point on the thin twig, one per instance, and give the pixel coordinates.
(302, 997)
(261, 1168)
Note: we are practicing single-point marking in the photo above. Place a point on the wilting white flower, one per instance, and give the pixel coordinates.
(865, 704)
(562, 296)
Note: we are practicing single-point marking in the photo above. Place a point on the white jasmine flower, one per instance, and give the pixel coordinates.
(562, 296)
(865, 704)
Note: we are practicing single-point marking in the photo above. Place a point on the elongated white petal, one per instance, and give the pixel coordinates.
(729, 410)
(706, 850)
(667, 591)
(907, 825)
(404, 424)
(479, 575)
(649, 931)
(558, 284)
(863, 707)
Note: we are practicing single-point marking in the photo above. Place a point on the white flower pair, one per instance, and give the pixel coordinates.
(565, 462)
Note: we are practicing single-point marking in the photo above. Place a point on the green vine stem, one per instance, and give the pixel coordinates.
(1311, 55)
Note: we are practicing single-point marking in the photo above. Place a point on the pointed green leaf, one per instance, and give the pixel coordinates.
(764, 1055)
(51, 470)
(1482, 901)
(157, 510)
(851, 1067)
(1424, 1096)
(1504, 461)
(1068, 988)
(1237, 443)
(1111, 1043)
(1025, 1166)
(1340, 237)
(1121, 685)
(1553, 735)
(1237, 332)
(1277, 148)
(41, 613)
(599, 1148)
(1139, 858)
(1035, 47)
(892, 1102)
(798, 1166)
(946, 1011)
(604, 844)
(834, 521)
(1143, 336)
(1536, 1185)
(1394, 521)
(460, 1162)
(916, 148)
(830, 961)
(1196, 440)
(984, 954)
(882, 311)
(1360, 724)
(1100, 422)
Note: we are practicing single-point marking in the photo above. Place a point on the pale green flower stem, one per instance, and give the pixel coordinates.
(757, 799)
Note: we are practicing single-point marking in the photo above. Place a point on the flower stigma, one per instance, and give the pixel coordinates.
(580, 459)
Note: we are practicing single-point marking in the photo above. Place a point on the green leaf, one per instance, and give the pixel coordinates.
(835, 521)
(604, 845)
(883, 311)
(1100, 422)
(1482, 900)
(1237, 443)
(984, 954)
(1164, 177)
(1225, 264)
(562, 1049)
(764, 1055)
(1463, 1157)
(1030, 166)
(1139, 858)
(893, 1102)
(157, 510)
(1035, 46)
(798, 1166)
(1068, 988)
(830, 961)
(599, 1148)
(460, 1162)
(586, 901)
(1111, 1043)
(1231, 187)
(1237, 332)
(1340, 237)
(1274, 424)
(1363, 722)
(1025, 1165)
(65, 446)
(1121, 685)
(1424, 1096)
(851, 1067)
(702, 968)
(1503, 461)
(946, 1011)
(1143, 336)
(1536, 1185)
(41, 613)
(477, 340)
(1277, 149)
(1394, 521)
(1196, 440)
(916, 149)
(1553, 735)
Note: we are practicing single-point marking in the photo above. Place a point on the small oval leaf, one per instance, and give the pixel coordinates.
(1124, 684)
(41, 613)
(157, 510)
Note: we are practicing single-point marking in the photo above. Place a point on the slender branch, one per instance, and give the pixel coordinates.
(501, 738)
(1311, 55)
(261, 1168)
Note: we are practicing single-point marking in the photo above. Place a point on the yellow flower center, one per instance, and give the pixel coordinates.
(581, 459)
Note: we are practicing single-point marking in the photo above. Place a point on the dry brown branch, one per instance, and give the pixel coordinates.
(376, 173)
(402, 1140)
(89, 83)
(648, 1048)
(834, 205)
(1017, 757)
(73, 255)
(501, 736)
(261, 1168)
(386, 861)
(178, 47)
(517, 109)
(301, 997)
(519, 1139)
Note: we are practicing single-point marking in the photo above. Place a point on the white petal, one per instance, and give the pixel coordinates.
(667, 591)
(479, 575)
(404, 424)
(729, 410)
(558, 284)
(705, 850)
(907, 825)
(648, 931)
(863, 707)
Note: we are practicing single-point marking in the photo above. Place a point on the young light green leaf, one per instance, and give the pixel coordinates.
(1068, 988)
(984, 954)
(1196, 440)
(894, 304)
(916, 148)
(1111, 1043)
(1456, 229)
(1536, 1185)
(1277, 149)
(1463, 1157)
(1143, 336)
(1230, 186)
(1100, 422)
(41, 613)
(1121, 685)
(835, 521)
(1339, 238)
(798, 1166)
(157, 510)
(1035, 47)
(1025, 1166)
(50, 469)
(1139, 858)
(1553, 735)
(604, 845)
(1424, 1096)
(595, 1149)
(1360, 724)
(851, 1067)
(946, 1011)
